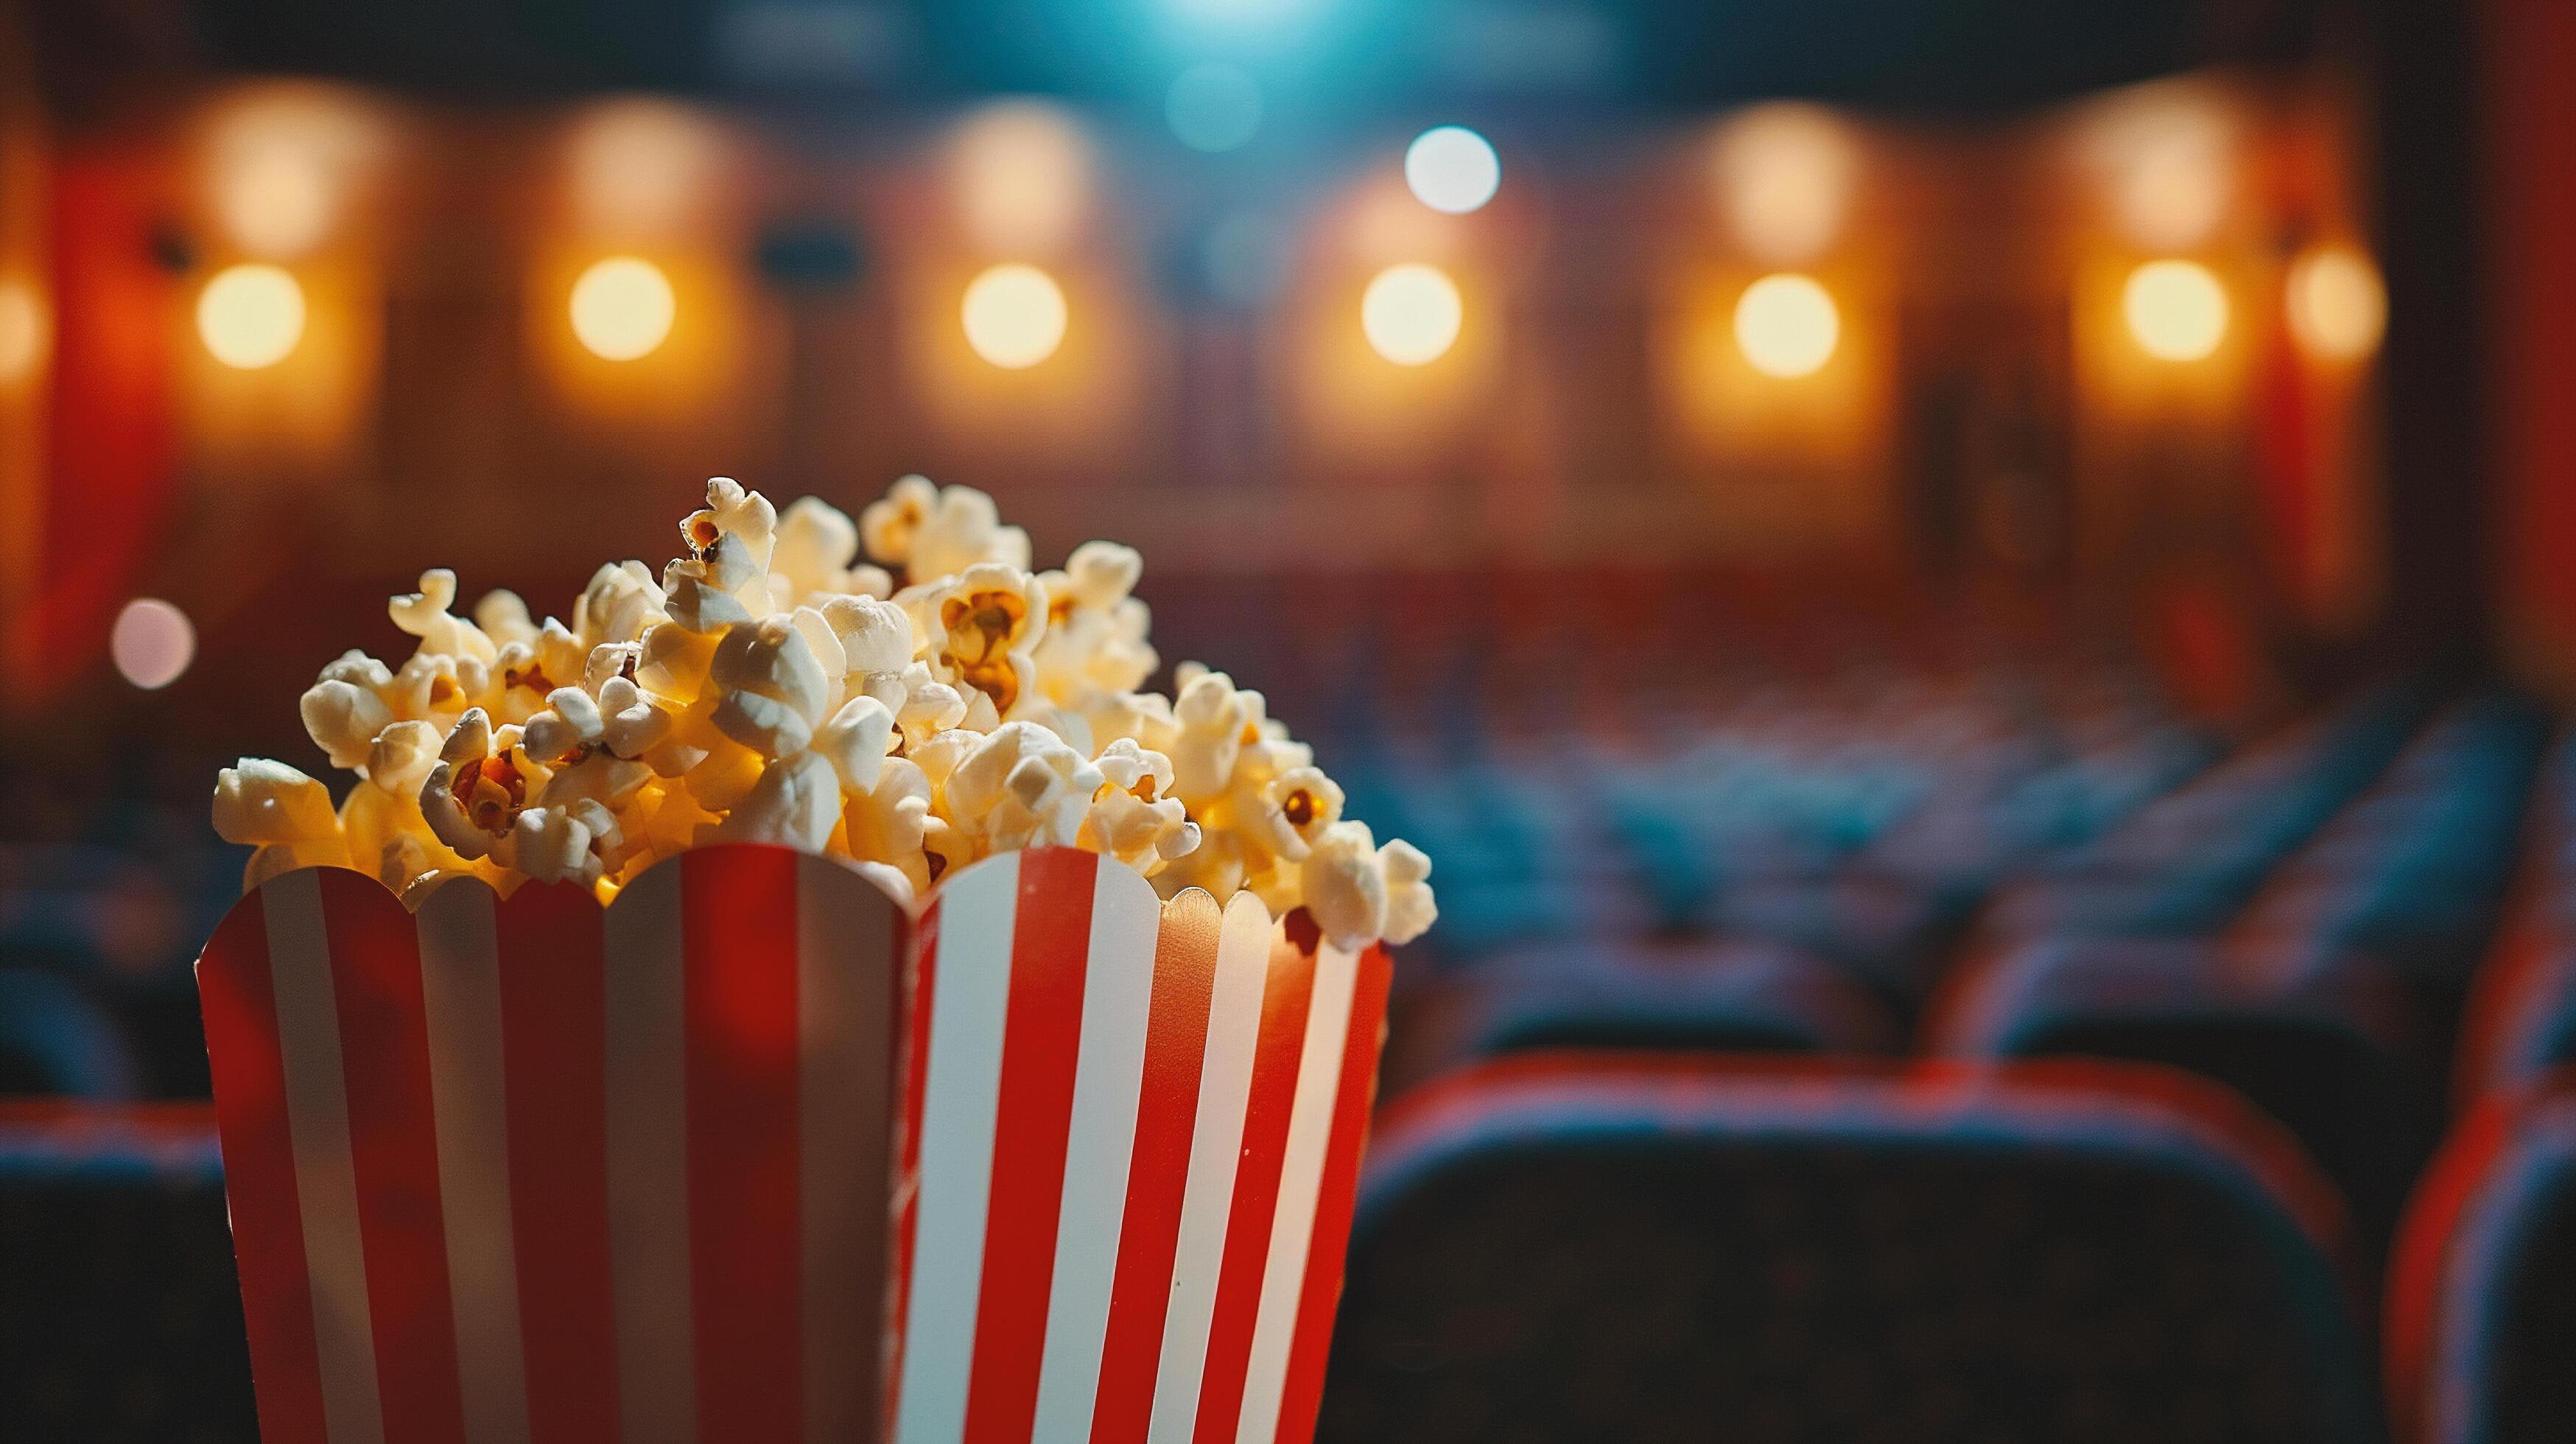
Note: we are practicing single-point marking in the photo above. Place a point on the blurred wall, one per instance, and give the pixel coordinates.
(1987, 418)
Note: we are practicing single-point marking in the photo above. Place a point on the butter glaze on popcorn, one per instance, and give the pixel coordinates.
(930, 705)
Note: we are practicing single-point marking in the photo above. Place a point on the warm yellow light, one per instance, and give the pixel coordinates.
(152, 643)
(286, 163)
(2338, 308)
(277, 202)
(2167, 157)
(1411, 314)
(251, 316)
(1014, 315)
(622, 308)
(1787, 325)
(1021, 171)
(1785, 175)
(2176, 310)
(23, 331)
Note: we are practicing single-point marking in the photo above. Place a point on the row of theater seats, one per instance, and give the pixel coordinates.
(2172, 1099)
(1584, 1246)
(1572, 1246)
(1982, 1057)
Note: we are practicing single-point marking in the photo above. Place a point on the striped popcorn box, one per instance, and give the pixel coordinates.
(753, 1155)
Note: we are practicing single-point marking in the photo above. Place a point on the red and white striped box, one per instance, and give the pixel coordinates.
(751, 1155)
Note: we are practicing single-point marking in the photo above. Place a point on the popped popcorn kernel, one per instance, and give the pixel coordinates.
(913, 712)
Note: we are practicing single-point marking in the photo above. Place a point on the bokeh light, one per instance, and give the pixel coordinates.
(1451, 168)
(24, 328)
(286, 163)
(152, 643)
(1787, 325)
(641, 167)
(1022, 176)
(1785, 176)
(2176, 310)
(2337, 304)
(277, 202)
(622, 308)
(1213, 107)
(1411, 314)
(2167, 157)
(251, 316)
(1014, 316)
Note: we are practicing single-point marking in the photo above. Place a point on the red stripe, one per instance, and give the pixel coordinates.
(1041, 1046)
(554, 1061)
(1303, 1392)
(1284, 1001)
(393, 1151)
(1159, 1176)
(738, 958)
(876, 1279)
(920, 963)
(2421, 1255)
(259, 1174)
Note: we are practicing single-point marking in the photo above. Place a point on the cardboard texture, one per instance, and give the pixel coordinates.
(752, 1156)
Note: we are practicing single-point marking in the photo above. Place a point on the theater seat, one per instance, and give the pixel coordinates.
(2482, 1290)
(54, 1040)
(120, 1316)
(1712, 995)
(2325, 1045)
(1585, 1247)
(2521, 1016)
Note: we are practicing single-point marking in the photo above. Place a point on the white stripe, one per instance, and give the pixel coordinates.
(460, 983)
(961, 1098)
(326, 1179)
(648, 1156)
(1117, 1003)
(844, 946)
(1216, 1149)
(1301, 1179)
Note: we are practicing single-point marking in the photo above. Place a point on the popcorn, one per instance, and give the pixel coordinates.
(815, 544)
(772, 687)
(985, 622)
(473, 794)
(620, 603)
(424, 614)
(261, 802)
(1410, 910)
(1095, 633)
(932, 531)
(1345, 884)
(343, 720)
(1129, 818)
(503, 616)
(745, 516)
(1020, 787)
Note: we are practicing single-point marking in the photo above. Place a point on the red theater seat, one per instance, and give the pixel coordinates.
(2482, 1289)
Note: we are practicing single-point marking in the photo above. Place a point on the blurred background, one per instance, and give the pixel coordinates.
(1839, 524)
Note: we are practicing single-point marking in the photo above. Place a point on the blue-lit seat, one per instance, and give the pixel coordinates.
(1720, 996)
(1574, 1248)
(55, 1041)
(2330, 1049)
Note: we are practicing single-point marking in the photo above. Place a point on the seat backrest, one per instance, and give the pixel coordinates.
(2482, 1288)
(120, 1317)
(1577, 1247)
(2328, 1048)
(54, 1040)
